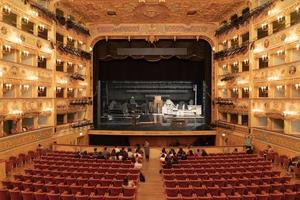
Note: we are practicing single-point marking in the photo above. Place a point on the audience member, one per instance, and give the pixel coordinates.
(198, 153)
(204, 153)
(128, 183)
(147, 149)
(129, 153)
(106, 153)
(162, 158)
(191, 153)
(235, 150)
(138, 164)
(113, 154)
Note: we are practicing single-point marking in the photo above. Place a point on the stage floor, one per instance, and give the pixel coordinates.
(155, 122)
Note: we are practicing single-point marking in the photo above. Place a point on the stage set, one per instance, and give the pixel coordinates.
(160, 86)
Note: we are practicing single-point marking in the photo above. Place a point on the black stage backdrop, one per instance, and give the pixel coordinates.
(173, 69)
(195, 66)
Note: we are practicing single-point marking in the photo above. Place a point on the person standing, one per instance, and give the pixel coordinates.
(147, 149)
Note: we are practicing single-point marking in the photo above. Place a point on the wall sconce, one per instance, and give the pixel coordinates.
(80, 42)
(58, 89)
(297, 47)
(80, 66)
(41, 58)
(8, 86)
(25, 53)
(25, 20)
(263, 88)
(264, 26)
(297, 9)
(41, 88)
(280, 52)
(58, 61)
(24, 87)
(280, 19)
(69, 63)
(280, 87)
(235, 38)
(265, 58)
(80, 89)
(41, 27)
(6, 48)
(235, 90)
(225, 42)
(297, 86)
(69, 38)
(246, 90)
(246, 61)
(6, 9)
(70, 90)
(235, 64)
(224, 66)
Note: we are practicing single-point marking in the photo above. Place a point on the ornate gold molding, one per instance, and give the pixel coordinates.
(147, 31)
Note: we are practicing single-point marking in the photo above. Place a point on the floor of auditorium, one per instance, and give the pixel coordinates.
(153, 187)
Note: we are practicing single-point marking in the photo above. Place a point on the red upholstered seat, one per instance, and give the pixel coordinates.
(27, 195)
(15, 195)
(4, 194)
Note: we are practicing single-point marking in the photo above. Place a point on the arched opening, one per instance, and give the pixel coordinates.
(134, 79)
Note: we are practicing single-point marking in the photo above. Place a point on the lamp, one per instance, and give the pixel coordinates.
(264, 58)
(264, 26)
(6, 9)
(7, 48)
(41, 89)
(8, 86)
(297, 86)
(25, 20)
(280, 52)
(25, 53)
(41, 27)
(280, 19)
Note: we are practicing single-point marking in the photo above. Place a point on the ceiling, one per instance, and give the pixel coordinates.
(151, 11)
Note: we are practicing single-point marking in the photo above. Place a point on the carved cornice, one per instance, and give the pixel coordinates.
(197, 31)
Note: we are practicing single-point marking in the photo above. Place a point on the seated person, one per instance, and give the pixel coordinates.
(235, 150)
(162, 158)
(168, 163)
(138, 164)
(128, 183)
(204, 153)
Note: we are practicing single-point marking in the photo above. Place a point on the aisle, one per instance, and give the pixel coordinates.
(152, 189)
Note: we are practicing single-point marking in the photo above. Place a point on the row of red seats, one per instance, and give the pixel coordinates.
(227, 164)
(23, 185)
(82, 166)
(16, 161)
(89, 173)
(254, 159)
(221, 182)
(237, 175)
(229, 189)
(59, 167)
(62, 160)
(244, 170)
(214, 159)
(94, 177)
(99, 188)
(16, 194)
(249, 196)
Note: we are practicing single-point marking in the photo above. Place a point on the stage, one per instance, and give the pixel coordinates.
(157, 138)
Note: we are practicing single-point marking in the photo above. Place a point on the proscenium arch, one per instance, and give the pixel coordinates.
(209, 81)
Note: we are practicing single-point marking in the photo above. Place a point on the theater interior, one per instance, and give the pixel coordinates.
(149, 100)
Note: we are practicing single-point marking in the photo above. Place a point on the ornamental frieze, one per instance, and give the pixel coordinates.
(14, 141)
(277, 139)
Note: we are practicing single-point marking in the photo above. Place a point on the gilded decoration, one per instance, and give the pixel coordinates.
(24, 138)
(277, 139)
